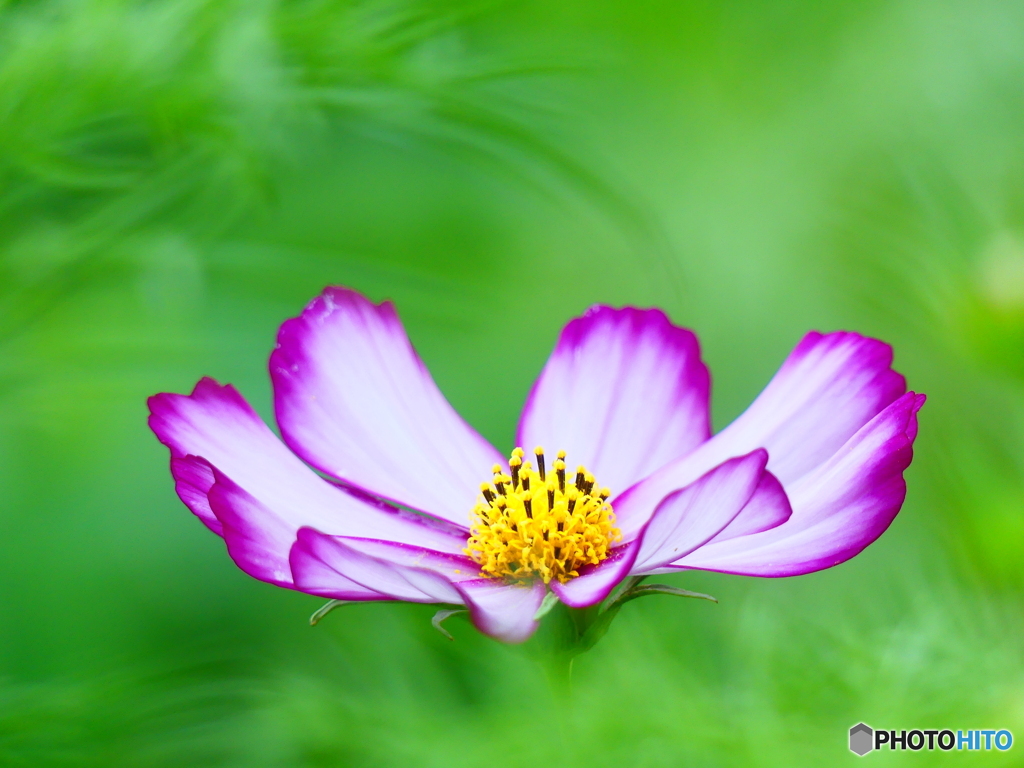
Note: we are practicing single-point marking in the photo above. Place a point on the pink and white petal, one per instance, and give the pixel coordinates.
(768, 507)
(596, 582)
(354, 399)
(692, 516)
(326, 565)
(193, 479)
(623, 392)
(503, 611)
(318, 576)
(828, 388)
(257, 539)
(452, 566)
(216, 424)
(838, 510)
(686, 519)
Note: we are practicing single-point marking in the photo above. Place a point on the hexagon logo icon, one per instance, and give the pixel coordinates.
(861, 739)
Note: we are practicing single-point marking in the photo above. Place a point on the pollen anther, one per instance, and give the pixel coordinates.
(520, 534)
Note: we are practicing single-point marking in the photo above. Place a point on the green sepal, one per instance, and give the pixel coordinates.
(326, 608)
(572, 631)
(443, 614)
(663, 589)
(549, 602)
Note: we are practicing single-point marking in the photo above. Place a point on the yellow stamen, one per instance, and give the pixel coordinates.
(529, 525)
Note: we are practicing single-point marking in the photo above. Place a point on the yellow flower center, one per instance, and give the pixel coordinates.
(531, 522)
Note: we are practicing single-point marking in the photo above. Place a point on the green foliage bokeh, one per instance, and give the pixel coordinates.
(179, 176)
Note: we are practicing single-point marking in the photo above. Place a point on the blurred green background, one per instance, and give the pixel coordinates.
(179, 176)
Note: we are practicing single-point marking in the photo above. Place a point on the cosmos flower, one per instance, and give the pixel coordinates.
(378, 490)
